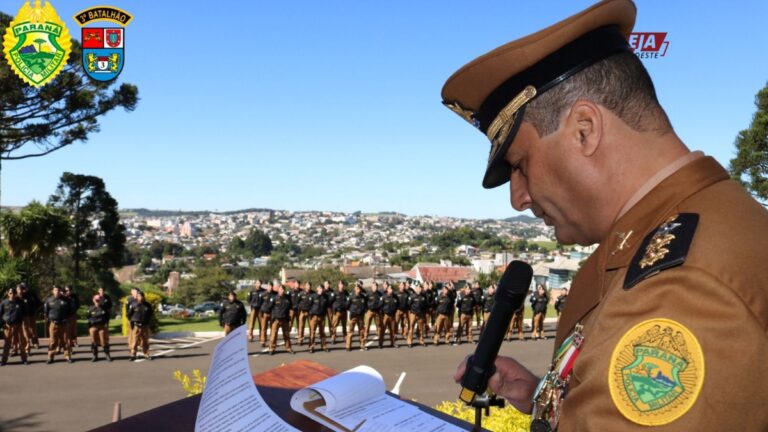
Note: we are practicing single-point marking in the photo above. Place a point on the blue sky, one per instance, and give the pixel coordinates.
(335, 105)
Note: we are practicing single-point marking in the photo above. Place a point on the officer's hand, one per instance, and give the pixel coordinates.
(512, 381)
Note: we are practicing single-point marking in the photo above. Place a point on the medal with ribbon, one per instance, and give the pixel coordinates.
(553, 387)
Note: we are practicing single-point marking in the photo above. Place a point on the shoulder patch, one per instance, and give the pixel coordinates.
(664, 248)
(656, 372)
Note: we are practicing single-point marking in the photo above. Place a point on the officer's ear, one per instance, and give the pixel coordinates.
(584, 126)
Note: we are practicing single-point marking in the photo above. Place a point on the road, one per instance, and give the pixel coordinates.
(80, 396)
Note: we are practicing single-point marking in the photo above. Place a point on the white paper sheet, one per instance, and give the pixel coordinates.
(231, 402)
(356, 399)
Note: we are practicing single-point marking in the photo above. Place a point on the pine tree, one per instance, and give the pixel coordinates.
(750, 166)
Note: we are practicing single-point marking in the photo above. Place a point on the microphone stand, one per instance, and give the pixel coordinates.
(484, 402)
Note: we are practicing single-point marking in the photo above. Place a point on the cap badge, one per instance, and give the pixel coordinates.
(467, 115)
(501, 125)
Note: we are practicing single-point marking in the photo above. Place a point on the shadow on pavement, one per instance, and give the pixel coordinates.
(22, 423)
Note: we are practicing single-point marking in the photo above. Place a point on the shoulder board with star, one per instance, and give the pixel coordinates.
(664, 248)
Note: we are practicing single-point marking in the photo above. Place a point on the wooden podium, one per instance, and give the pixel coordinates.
(276, 387)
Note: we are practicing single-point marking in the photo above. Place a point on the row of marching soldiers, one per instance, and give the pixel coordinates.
(18, 315)
(20, 308)
(410, 311)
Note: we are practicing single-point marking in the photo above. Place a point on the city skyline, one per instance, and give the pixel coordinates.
(336, 106)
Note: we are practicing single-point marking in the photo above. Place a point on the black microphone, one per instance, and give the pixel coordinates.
(510, 295)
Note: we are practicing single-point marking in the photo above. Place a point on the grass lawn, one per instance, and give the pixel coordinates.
(190, 324)
(548, 245)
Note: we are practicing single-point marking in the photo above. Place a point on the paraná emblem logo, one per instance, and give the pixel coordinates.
(656, 372)
(37, 43)
(103, 47)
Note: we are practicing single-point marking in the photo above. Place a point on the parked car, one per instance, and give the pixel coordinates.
(204, 307)
(176, 310)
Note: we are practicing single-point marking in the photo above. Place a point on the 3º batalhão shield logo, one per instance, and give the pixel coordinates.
(103, 47)
(37, 44)
(656, 372)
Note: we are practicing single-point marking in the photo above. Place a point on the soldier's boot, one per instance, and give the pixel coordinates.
(94, 352)
(106, 353)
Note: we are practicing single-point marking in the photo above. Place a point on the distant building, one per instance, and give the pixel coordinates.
(436, 273)
(188, 229)
(172, 283)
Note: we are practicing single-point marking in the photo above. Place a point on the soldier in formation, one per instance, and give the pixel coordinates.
(231, 313)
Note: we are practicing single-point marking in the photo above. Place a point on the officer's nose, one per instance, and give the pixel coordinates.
(518, 191)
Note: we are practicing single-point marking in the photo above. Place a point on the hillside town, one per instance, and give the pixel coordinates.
(362, 245)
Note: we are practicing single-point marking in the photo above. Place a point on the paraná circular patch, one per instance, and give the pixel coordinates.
(656, 372)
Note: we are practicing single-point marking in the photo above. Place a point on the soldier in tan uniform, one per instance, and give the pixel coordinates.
(666, 323)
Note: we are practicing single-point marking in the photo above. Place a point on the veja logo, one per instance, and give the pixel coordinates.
(649, 44)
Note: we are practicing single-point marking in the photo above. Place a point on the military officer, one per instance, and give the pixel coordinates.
(417, 305)
(56, 312)
(129, 300)
(231, 313)
(401, 316)
(517, 323)
(466, 304)
(139, 316)
(648, 340)
(357, 306)
(388, 312)
(281, 319)
(32, 305)
(487, 305)
(74, 304)
(339, 302)
(265, 313)
(254, 302)
(373, 313)
(560, 302)
(105, 301)
(317, 312)
(539, 303)
(477, 295)
(12, 321)
(443, 309)
(98, 328)
(303, 302)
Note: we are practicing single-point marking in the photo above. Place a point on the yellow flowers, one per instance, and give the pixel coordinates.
(507, 419)
(194, 385)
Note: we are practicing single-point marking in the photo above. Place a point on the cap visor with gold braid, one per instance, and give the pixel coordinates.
(491, 92)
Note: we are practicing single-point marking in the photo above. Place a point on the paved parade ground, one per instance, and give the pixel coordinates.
(80, 396)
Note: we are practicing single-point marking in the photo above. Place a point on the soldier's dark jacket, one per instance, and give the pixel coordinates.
(56, 309)
(560, 302)
(389, 304)
(140, 313)
(318, 304)
(254, 299)
(267, 301)
(339, 301)
(281, 307)
(374, 301)
(12, 311)
(97, 315)
(539, 303)
(74, 303)
(466, 303)
(402, 301)
(357, 305)
(444, 304)
(106, 303)
(303, 300)
(232, 313)
(417, 303)
(487, 302)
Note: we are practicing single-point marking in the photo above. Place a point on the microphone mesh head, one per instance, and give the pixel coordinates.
(515, 282)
